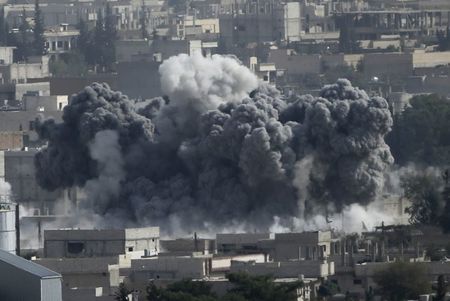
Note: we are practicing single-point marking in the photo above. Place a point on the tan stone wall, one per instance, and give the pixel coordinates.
(11, 140)
(431, 59)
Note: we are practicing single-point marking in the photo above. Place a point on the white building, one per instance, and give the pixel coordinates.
(60, 39)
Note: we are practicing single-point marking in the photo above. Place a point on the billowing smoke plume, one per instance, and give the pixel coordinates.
(5, 190)
(219, 148)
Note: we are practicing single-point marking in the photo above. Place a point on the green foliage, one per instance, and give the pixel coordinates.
(421, 134)
(178, 5)
(22, 42)
(442, 288)
(3, 28)
(443, 38)
(445, 217)
(262, 288)
(327, 289)
(424, 192)
(245, 288)
(435, 253)
(347, 38)
(122, 293)
(392, 48)
(143, 22)
(38, 31)
(402, 281)
(98, 44)
(430, 199)
(69, 64)
(184, 290)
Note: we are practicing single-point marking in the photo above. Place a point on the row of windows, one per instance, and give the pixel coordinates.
(57, 45)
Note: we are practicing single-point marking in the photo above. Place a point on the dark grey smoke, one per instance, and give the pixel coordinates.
(215, 157)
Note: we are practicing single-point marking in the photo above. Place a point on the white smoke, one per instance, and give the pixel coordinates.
(211, 80)
(105, 149)
(5, 188)
(354, 218)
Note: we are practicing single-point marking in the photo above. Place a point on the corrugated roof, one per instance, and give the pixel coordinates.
(27, 266)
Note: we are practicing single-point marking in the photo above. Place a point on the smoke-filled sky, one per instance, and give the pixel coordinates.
(219, 148)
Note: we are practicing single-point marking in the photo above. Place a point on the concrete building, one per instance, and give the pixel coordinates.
(100, 243)
(371, 24)
(365, 272)
(188, 246)
(20, 73)
(292, 22)
(179, 268)
(132, 50)
(295, 64)
(267, 72)
(374, 64)
(45, 103)
(11, 140)
(286, 269)
(221, 263)
(24, 280)
(422, 59)
(23, 121)
(60, 39)
(6, 55)
(210, 25)
(19, 172)
(253, 22)
(81, 272)
(240, 242)
(302, 246)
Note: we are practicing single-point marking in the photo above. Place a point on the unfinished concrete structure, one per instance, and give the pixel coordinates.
(286, 269)
(240, 242)
(249, 22)
(100, 243)
(188, 246)
(302, 246)
(371, 24)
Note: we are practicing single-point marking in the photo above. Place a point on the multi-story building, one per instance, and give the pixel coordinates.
(60, 39)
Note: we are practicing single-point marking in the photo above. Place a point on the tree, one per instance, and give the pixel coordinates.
(38, 31)
(424, 192)
(445, 217)
(69, 64)
(110, 39)
(184, 290)
(443, 39)
(347, 39)
(23, 46)
(327, 289)
(3, 28)
(85, 43)
(122, 293)
(143, 22)
(104, 39)
(245, 288)
(421, 134)
(262, 288)
(402, 281)
(99, 40)
(441, 289)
